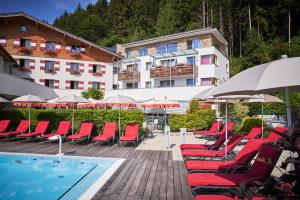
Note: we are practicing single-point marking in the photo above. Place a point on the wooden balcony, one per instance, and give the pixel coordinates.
(126, 75)
(176, 71)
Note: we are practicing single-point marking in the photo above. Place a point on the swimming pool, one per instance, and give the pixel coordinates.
(35, 176)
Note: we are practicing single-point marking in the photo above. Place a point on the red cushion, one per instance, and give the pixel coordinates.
(201, 153)
(215, 179)
(214, 197)
(128, 138)
(63, 128)
(78, 136)
(9, 133)
(194, 146)
(4, 125)
(208, 165)
(31, 134)
(53, 134)
(102, 138)
(109, 130)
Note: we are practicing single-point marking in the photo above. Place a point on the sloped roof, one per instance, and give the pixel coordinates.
(22, 14)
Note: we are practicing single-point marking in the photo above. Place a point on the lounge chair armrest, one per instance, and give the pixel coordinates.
(237, 167)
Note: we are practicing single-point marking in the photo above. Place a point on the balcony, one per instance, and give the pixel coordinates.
(176, 71)
(76, 54)
(51, 52)
(26, 50)
(127, 75)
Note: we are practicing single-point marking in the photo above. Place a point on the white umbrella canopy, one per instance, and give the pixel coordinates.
(53, 100)
(72, 99)
(120, 101)
(277, 76)
(2, 100)
(29, 99)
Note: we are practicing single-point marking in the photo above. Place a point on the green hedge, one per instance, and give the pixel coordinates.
(83, 115)
(247, 124)
(201, 119)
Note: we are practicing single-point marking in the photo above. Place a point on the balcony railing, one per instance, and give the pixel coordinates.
(127, 75)
(178, 70)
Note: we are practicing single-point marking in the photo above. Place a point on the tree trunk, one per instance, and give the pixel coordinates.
(289, 27)
(211, 16)
(240, 35)
(207, 14)
(249, 12)
(221, 18)
(203, 13)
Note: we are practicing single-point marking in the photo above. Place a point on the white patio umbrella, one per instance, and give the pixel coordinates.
(163, 103)
(276, 76)
(29, 99)
(120, 101)
(263, 98)
(2, 100)
(72, 99)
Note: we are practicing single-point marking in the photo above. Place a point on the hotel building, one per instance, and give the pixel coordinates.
(54, 58)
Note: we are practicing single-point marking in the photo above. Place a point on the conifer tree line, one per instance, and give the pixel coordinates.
(257, 31)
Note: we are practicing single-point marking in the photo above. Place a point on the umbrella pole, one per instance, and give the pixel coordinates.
(288, 110)
(73, 119)
(262, 119)
(226, 130)
(165, 117)
(29, 116)
(120, 120)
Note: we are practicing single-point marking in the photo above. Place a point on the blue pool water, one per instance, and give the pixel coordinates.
(30, 176)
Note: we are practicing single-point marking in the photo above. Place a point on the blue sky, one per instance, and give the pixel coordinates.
(42, 9)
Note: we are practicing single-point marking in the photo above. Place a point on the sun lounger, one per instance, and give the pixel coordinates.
(214, 128)
(40, 129)
(108, 133)
(4, 125)
(258, 172)
(230, 126)
(131, 134)
(84, 132)
(241, 160)
(62, 130)
(22, 128)
(203, 154)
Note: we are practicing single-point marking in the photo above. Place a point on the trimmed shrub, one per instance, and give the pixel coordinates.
(98, 117)
(247, 124)
(201, 119)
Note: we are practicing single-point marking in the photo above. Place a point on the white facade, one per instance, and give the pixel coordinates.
(62, 75)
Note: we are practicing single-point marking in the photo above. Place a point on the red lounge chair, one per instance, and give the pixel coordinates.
(4, 125)
(22, 128)
(223, 197)
(230, 126)
(214, 128)
(108, 133)
(131, 134)
(215, 145)
(242, 159)
(202, 154)
(40, 129)
(259, 171)
(62, 130)
(84, 132)
(254, 133)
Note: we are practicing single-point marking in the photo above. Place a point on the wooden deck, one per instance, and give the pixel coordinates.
(143, 175)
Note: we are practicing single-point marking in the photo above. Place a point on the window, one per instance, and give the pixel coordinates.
(166, 83)
(49, 65)
(49, 83)
(96, 85)
(74, 85)
(208, 81)
(75, 49)
(190, 82)
(161, 48)
(148, 84)
(206, 59)
(131, 85)
(143, 51)
(190, 60)
(148, 66)
(115, 86)
(24, 62)
(115, 70)
(193, 44)
(74, 67)
(23, 29)
(50, 46)
(25, 43)
(96, 68)
(131, 67)
(215, 60)
(128, 52)
(172, 47)
(168, 63)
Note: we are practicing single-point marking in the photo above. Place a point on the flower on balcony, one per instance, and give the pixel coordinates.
(74, 72)
(26, 50)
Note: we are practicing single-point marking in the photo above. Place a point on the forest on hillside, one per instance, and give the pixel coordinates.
(257, 31)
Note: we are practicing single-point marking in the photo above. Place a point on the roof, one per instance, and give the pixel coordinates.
(22, 14)
(6, 55)
(175, 36)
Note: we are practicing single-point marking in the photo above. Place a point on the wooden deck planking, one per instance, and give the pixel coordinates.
(144, 174)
